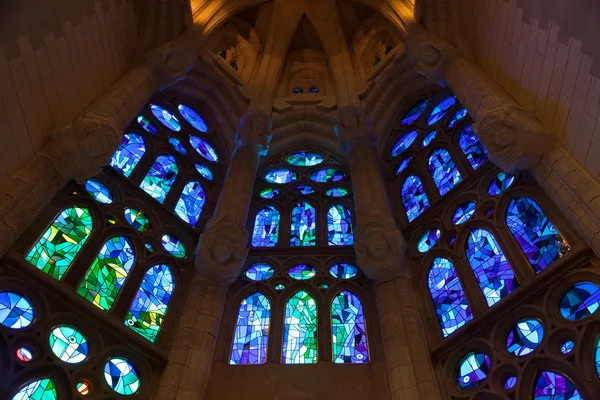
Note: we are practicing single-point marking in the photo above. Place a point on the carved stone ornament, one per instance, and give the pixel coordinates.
(353, 127)
(222, 250)
(514, 138)
(380, 248)
(254, 129)
(172, 61)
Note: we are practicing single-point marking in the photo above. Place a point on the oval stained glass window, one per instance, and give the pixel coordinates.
(428, 240)
(270, 193)
(415, 112)
(121, 376)
(16, 312)
(524, 337)
(137, 219)
(301, 272)
(343, 271)
(173, 246)
(336, 192)
(402, 165)
(165, 117)
(279, 287)
(404, 143)
(99, 191)
(580, 301)
(260, 272)
(192, 118)
(473, 370)
(567, 346)
(69, 344)
(24, 354)
(460, 114)
(83, 387)
(327, 175)
(597, 357)
(440, 110)
(204, 149)
(305, 159)
(428, 139)
(40, 389)
(149, 247)
(177, 145)
(204, 171)
(510, 382)
(500, 183)
(464, 212)
(281, 176)
(147, 125)
(304, 190)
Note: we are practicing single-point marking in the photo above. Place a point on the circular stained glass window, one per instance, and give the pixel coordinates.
(524, 337)
(428, 139)
(510, 382)
(404, 143)
(137, 219)
(165, 117)
(500, 183)
(428, 240)
(281, 176)
(440, 110)
(24, 354)
(99, 191)
(177, 145)
(270, 193)
(173, 246)
(472, 370)
(464, 212)
(204, 171)
(336, 192)
(121, 376)
(68, 344)
(147, 125)
(301, 272)
(567, 346)
(193, 118)
(305, 159)
(327, 175)
(204, 149)
(260, 272)
(415, 112)
(343, 271)
(304, 190)
(84, 388)
(580, 301)
(402, 165)
(16, 312)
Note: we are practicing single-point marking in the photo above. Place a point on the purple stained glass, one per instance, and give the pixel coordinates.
(159, 180)
(460, 114)
(554, 386)
(339, 226)
(539, 240)
(473, 370)
(428, 139)
(443, 171)
(440, 110)
(266, 227)
(524, 337)
(580, 301)
(165, 117)
(327, 175)
(415, 112)
(128, 154)
(302, 272)
(177, 145)
(464, 212)
(147, 125)
(428, 240)
(404, 143)
(402, 165)
(204, 149)
(474, 151)
(348, 328)
(251, 337)
(260, 272)
(510, 382)
(189, 206)
(492, 270)
(281, 176)
(448, 296)
(567, 346)
(500, 183)
(303, 226)
(193, 118)
(304, 190)
(414, 198)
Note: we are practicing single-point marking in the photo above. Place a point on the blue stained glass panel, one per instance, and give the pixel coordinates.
(339, 226)
(327, 175)
(305, 159)
(300, 330)
(157, 183)
(500, 183)
(554, 386)
(189, 206)
(266, 228)
(567, 346)
(597, 357)
(460, 114)
(303, 226)
(16, 312)
(204, 171)
(402, 165)
(193, 118)
(524, 337)
(428, 240)
(404, 143)
(443, 171)
(343, 271)
(580, 301)
(204, 149)
(128, 154)
(177, 145)
(464, 212)
(440, 110)
(510, 382)
(415, 112)
(281, 176)
(165, 117)
(474, 151)
(348, 328)
(40, 389)
(473, 370)
(121, 376)
(147, 125)
(304, 189)
(260, 272)
(428, 139)
(173, 246)
(270, 193)
(302, 272)
(251, 337)
(99, 191)
(336, 192)
(414, 198)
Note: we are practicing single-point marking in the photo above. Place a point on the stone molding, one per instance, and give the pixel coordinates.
(172, 61)
(353, 127)
(255, 130)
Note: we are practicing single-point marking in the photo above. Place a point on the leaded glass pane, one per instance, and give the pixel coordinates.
(473, 370)
(348, 328)
(500, 183)
(474, 151)
(339, 226)
(69, 344)
(327, 175)
(204, 149)
(121, 376)
(402, 165)
(414, 198)
(99, 191)
(580, 301)
(404, 143)
(251, 337)
(300, 330)
(460, 114)
(193, 118)
(305, 159)
(189, 206)
(415, 112)
(524, 337)
(554, 386)
(281, 176)
(266, 227)
(159, 180)
(128, 154)
(16, 312)
(428, 240)
(303, 228)
(464, 212)
(440, 110)
(41, 389)
(165, 117)
(428, 139)
(443, 171)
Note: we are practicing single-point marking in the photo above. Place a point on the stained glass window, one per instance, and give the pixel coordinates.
(339, 226)
(204, 171)
(83, 387)
(303, 227)
(99, 191)
(404, 143)
(121, 376)
(343, 271)
(428, 139)
(597, 357)
(300, 330)
(500, 183)
(474, 151)
(327, 175)
(492, 270)
(460, 114)
(41, 389)
(24, 354)
(173, 246)
(443, 171)
(302, 272)
(55, 251)
(464, 212)
(304, 189)
(348, 328)
(147, 125)
(510, 382)
(147, 312)
(165, 117)
(128, 154)
(260, 272)
(193, 118)
(414, 198)
(440, 110)
(415, 112)
(524, 337)
(69, 344)
(270, 193)
(567, 346)
(580, 301)
(336, 192)
(305, 159)
(402, 165)
(266, 227)
(448, 296)
(281, 176)
(540, 241)
(204, 149)
(251, 335)
(428, 240)
(189, 206)
(473, 370)
(137, 219)
(159, 180)
(108, 273)
(16, 312)
(177, 145)
(554, 386)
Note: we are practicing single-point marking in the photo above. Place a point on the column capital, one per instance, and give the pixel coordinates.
(254, 130)
(172, 60)
(353, 127)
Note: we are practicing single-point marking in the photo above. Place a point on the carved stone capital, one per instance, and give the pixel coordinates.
(173, 61)
(514, 138)
(254, 130)
(353, 127)
(380, 248)
(222, 250)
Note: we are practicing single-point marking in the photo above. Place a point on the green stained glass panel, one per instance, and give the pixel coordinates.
(41, 389)
(349, 332)
(137, 219)
(69, 344)
(174, 246)
(300, 330)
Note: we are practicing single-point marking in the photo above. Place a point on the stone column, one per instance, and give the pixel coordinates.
(515, 139)
(380, 253)
(219, 259)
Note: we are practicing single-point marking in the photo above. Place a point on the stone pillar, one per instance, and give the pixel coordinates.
(219, 260)
(380, 253)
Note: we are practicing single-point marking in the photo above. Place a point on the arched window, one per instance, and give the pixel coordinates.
(492, 270)
(128, 154)
(108, 273)
(413, 197)
(160, 178)
(472, 148)
(443, 171)
(251, 336)
(189, 206)
(554, 386)
(149, 307)
(40, 389)
(348, 328)
(339, 226)
(448, 296)
(300, 330)
(55, 251)
(303, 226)
(540, 241)
(266, 227)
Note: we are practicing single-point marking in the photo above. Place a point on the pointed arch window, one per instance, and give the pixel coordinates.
(300, 330)
(266, 227)
(189, 206)
(55, 251)
(492, 270)
(106, 276)
(303, 226)
(151, 302)
(348, 328)
(339, 226)
(251, 337)
(537, 237)
(448, 296)
(474, 151)
(551, 385)
(159, 180)
(128, 154)
(443, 171)
(413, 197)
